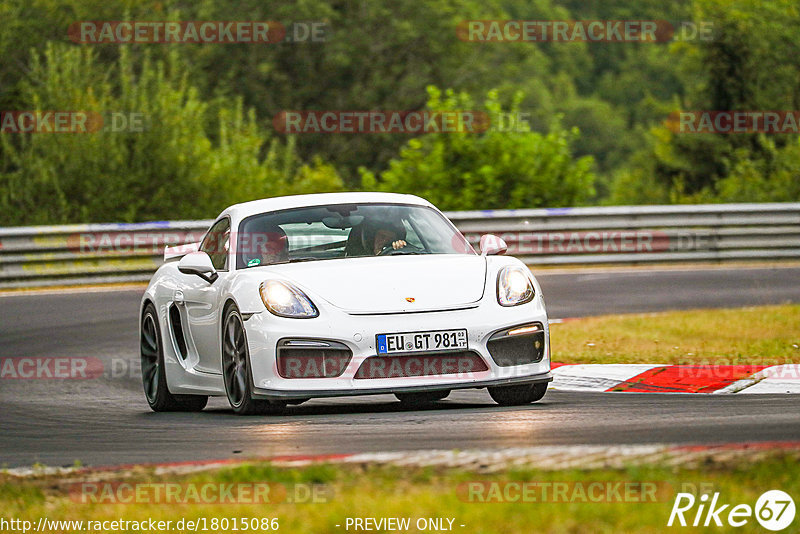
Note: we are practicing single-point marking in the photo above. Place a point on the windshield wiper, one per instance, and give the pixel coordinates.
(400, 252)
(293, 260)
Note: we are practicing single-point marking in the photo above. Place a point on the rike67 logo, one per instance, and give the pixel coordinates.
(774, 510)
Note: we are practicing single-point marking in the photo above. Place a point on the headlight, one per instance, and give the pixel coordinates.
(285, 300)
(514, 287)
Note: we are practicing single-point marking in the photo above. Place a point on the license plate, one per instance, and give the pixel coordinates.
(432, 341)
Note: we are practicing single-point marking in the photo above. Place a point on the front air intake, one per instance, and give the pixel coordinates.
(462, 363)
(306, 358)
(520, 345)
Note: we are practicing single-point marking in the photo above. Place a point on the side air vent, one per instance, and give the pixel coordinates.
(176, 325)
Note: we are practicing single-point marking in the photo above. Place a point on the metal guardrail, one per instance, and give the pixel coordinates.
(100, 253)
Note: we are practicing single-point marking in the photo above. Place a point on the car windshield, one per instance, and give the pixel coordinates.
(345, 231)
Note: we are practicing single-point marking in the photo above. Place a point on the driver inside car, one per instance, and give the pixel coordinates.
(275, 248)
(380, 234)
(265, 244)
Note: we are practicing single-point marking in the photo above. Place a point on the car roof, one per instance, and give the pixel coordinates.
(237, 212)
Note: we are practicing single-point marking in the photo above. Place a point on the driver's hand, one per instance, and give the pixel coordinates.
(399, 244)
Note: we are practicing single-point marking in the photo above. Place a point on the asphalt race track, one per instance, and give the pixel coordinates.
(106, 420)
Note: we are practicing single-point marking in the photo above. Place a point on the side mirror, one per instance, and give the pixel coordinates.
(492, 245)
(179, 251)
(198, 263)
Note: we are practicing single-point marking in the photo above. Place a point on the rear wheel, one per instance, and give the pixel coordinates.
(236, 369)
(517, 395)
(422, 397)
(154, 378)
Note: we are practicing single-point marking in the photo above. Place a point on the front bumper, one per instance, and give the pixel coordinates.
(358, 333)
(296, 394)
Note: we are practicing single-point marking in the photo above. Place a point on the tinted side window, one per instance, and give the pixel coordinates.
(217, 243)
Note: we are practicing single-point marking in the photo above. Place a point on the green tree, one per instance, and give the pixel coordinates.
(494, 169)
(192, 159)
(751, 63)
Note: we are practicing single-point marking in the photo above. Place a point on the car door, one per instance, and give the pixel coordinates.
(202, 300)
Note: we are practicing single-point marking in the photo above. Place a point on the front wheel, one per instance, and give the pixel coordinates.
(236, 369)
(517, 395)
(154, 377)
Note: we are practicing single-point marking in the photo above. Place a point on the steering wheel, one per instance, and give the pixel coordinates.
(389, 250)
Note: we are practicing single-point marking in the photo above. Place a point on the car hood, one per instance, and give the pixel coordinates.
(392, 284)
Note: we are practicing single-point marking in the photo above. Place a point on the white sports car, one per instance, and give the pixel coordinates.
(288, 299)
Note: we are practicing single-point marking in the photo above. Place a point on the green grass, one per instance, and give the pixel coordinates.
(384, 491)
(764, 335)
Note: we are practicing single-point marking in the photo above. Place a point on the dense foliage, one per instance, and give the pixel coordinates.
(596, 111)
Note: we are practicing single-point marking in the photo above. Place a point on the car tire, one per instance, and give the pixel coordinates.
(236, 371)
(422, 397)
(517, 395)
(154, 377)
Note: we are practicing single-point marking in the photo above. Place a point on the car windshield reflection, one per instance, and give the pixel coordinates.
(345, 231)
